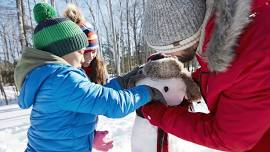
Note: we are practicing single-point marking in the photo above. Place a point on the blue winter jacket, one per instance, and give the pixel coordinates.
(66, 104)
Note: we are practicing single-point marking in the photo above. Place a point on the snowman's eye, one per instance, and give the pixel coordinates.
(166, 89)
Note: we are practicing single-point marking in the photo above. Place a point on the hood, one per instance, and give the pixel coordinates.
(232, 16)
(32, 58)
(31, 71)
(33, 81)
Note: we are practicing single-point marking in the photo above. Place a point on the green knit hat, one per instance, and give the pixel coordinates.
(59, 36)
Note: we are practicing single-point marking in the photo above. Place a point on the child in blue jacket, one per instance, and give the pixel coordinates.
(65, 104)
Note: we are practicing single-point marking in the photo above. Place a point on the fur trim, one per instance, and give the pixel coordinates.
(209, 9)
(193, 90)
(232, 18)
(165, 68)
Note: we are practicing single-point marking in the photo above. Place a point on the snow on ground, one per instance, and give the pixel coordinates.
(14, 123)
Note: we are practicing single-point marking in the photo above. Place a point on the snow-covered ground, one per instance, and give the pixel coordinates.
(14, 123)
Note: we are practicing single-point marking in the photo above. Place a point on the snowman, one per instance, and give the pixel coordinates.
(170, 77)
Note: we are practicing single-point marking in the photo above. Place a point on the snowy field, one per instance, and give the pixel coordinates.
(14, 123)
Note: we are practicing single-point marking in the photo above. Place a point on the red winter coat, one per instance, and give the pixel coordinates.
(237, 93)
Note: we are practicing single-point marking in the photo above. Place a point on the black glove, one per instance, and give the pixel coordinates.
(157, 95)
(129, 79)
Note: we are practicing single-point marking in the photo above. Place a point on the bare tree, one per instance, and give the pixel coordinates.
(91, 11)
(53, 3)
(20, 21)
(134, 25)
(121, 37)
(116, 52)
(128, 34)
(89, 4)
(24, 21)
(104, 23)
(5, 48)
(30, 15)
(3, 93)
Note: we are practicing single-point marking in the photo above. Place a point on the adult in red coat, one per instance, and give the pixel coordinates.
(234, 55)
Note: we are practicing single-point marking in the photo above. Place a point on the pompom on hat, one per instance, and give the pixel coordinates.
(59, 36)
(172, 25)
(75, 14)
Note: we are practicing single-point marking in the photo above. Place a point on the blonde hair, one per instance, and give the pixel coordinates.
(74, 13)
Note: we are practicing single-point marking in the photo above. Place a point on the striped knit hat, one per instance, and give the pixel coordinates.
(91, 35)
(172, 25)
(59, 36)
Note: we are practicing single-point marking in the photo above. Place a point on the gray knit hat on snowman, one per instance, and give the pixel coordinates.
(172, 25)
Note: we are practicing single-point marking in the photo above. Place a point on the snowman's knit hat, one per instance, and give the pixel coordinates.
(164, 68)
(168, 68)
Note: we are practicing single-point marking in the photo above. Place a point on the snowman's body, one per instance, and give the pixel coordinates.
(144, 135)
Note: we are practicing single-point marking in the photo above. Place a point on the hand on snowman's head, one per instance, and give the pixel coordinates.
(129, 79)
(169, 77)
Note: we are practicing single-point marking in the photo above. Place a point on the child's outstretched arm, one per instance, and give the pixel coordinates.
(76, 93)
